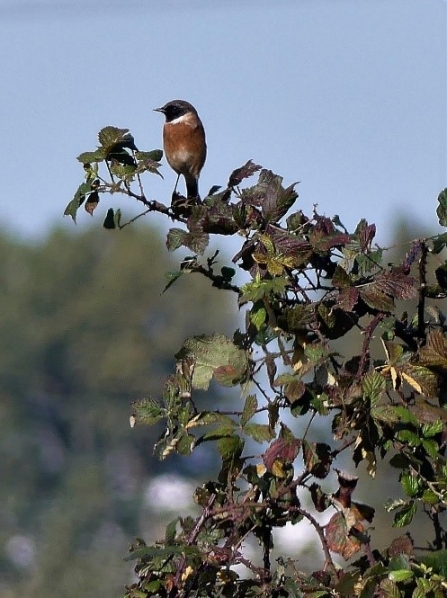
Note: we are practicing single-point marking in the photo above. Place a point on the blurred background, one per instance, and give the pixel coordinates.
(348, 97)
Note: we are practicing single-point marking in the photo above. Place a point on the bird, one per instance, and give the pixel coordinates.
(184, 143)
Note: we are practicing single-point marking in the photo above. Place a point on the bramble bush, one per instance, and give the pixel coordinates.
(306, 282)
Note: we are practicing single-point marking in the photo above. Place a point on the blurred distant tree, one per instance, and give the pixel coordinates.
(85, 331)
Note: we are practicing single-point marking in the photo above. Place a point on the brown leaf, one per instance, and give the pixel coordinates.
(339, 539)
(401, 545)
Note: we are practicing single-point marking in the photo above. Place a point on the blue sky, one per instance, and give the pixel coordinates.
(346, 96)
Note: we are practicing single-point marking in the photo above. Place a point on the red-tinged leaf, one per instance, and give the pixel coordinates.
(322, 242)
(396, 285)
(412, 255)
(341, 278)
(283, 450)
(376, 298)
(290, 246)
(347, 299)
(245, 171)
(339, 539)
(365, 233)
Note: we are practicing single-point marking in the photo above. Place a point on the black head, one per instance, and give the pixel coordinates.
(176, 109)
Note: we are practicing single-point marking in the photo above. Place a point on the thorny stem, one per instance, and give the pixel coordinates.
(191, 540)
(366, 342)
(422, 288)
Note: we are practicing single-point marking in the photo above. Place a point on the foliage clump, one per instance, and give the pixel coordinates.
(303, 282)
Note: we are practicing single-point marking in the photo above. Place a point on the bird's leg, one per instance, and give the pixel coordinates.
(176, 183)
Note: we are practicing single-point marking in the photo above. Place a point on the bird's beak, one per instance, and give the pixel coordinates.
(159, 110)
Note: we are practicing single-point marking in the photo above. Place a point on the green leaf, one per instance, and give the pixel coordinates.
(411, 485)
(408, 437)
(441, 210)
(148, 412)
(89, 157)
(431, 429)
(176, 238)
(77, 201)
(259, 432)
(405, 515)
(431, 447)
(250, 407)
(400, 575)
(166, 552)
(258, 315)
(373, 385)
(217, 356)
(111, 136)
(170, 532)
(230, 447)
(156, 155)
(172, 277)
(218, 433)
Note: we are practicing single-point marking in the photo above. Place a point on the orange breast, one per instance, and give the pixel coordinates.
(185, 147)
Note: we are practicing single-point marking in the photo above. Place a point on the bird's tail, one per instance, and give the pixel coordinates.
(192, 186)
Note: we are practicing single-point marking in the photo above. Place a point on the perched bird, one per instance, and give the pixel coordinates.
(184, 143)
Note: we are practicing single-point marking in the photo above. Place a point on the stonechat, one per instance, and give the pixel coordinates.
(184, 143)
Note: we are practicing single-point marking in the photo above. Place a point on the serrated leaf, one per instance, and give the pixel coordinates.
(172, 277)
(156, 155)
(258, 315)
(405, 515)
(110, 136)
(373, 385)
(400, 575)
(259, 432)
(224, 431)
(230, 448)
(250, 407)
(317, 458)
(338, 537)
(215, 355)
(410, 484)
(441, 210)
(376, 298)
(148, 412)
(429, 430)
(166, 552)
(207, 418)
(283, 450)
(396, 284)
(89, 157)
(238, 175)
(175, 239)
(78, 199)
(434, 353)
